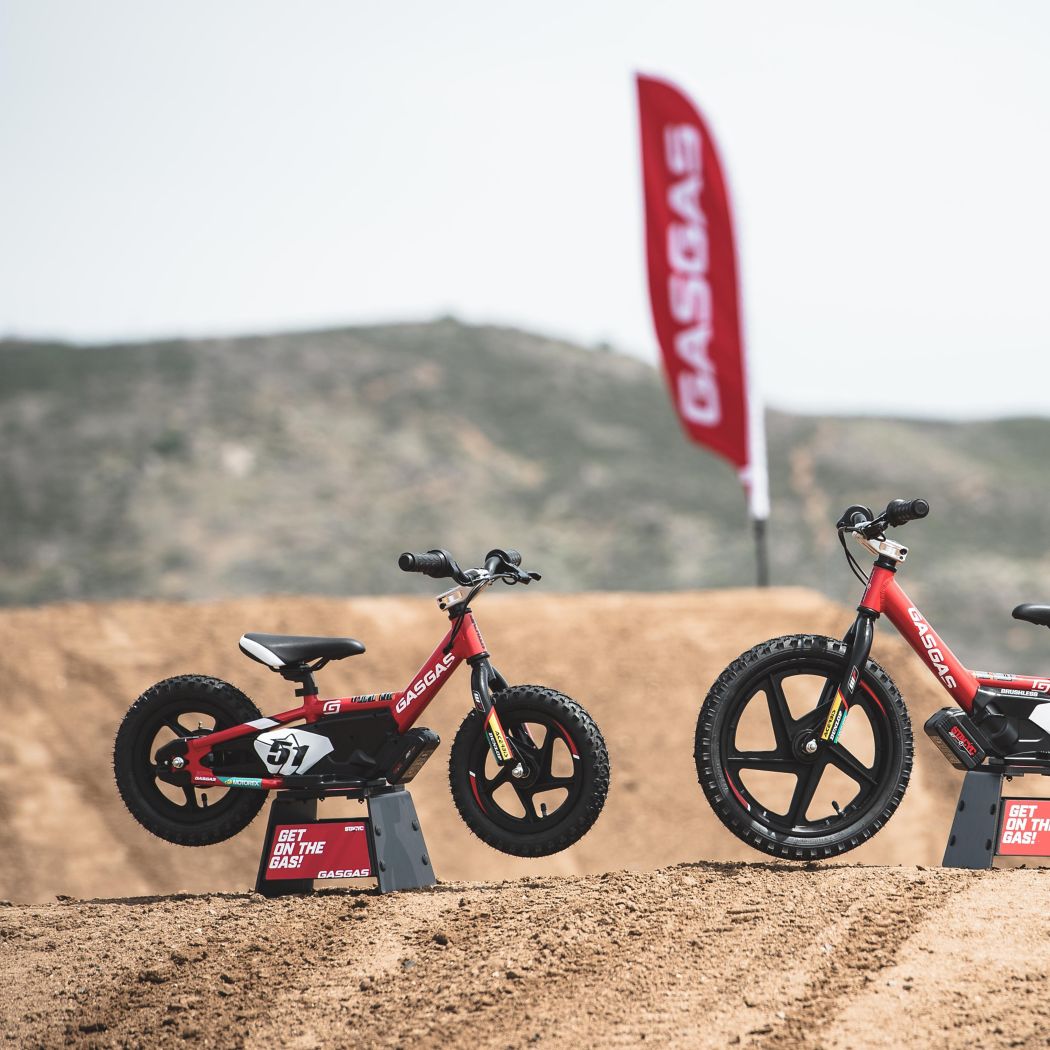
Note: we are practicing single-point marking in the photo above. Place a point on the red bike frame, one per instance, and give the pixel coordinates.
(978, 693)
(885, 595)
(406, 705)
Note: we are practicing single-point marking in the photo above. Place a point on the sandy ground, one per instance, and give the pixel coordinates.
(703, 955)
(650, 931)
(640, 663)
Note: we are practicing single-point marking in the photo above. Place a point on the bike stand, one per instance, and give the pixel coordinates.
(386, 845)
(987, 826)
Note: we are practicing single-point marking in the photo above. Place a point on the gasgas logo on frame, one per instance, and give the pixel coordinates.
(933, 647)
(425, 682)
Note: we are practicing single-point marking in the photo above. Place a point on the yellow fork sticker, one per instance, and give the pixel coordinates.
(836, 716)
(497, 735)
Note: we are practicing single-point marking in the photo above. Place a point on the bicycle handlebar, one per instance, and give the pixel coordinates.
(859, 518)
(439, 564)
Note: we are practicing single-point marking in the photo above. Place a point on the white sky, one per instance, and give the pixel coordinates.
(227, 166)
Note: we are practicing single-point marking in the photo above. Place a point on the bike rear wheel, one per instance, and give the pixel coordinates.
(167, 803)
(757, 763)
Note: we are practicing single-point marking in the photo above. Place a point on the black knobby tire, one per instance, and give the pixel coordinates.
(567, 781)
(154, 720)
(795, 834)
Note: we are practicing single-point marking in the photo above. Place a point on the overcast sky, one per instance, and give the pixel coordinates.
(228, 166)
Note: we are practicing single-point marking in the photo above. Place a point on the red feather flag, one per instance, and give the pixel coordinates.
(693, 286)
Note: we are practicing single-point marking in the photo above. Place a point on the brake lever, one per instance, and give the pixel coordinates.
(515, 575)
(869, 530)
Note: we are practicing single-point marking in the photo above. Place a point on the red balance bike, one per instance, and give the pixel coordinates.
(804, 746)
(529, 770)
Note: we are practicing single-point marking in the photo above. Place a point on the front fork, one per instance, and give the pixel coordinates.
(484, 678)
(858, 641)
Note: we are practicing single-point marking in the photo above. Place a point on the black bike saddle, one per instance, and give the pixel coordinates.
(282, 650)
(1033, 614)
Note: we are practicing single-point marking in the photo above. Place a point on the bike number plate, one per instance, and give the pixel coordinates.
(1025, 828)
(324, 849)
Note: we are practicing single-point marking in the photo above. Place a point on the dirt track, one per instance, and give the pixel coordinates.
(703, 955)
(698, 954)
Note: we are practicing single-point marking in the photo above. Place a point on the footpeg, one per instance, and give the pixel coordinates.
(957, 738)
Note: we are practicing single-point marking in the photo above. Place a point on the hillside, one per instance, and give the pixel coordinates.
(304, 463)
(641, 664)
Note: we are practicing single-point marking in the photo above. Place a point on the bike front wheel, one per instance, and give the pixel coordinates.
(566, 767)
(764, 763)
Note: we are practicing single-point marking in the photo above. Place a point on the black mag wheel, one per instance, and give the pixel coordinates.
(767, 773)
(566, 780)
(158, 797)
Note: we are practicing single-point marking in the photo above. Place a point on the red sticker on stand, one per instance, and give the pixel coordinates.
(1025, 828)
(329, 849)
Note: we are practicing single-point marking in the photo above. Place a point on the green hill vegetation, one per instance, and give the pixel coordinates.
(306, 462)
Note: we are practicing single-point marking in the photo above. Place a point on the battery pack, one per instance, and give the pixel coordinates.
(417, 746)
(957, 738)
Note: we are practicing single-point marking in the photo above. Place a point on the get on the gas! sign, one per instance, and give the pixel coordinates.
(327, 849)
(1025, 828)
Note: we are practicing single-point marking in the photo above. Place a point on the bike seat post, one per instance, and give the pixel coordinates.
(304, 675)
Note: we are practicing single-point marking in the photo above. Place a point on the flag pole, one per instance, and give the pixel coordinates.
(757, 475)
(761, 553)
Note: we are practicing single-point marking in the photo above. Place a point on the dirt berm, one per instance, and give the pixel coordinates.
(650, 931)
(640, 663)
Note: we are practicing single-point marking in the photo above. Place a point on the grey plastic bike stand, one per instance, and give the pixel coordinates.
(400, 859)
(974, 833)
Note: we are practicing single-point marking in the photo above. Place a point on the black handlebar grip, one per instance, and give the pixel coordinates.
(510, 556)
(901, 511)
(433, 563)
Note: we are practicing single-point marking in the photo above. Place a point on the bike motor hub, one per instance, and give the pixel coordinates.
(806, 746)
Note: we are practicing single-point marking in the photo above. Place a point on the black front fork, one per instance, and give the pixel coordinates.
(858, 647)
(484, 680)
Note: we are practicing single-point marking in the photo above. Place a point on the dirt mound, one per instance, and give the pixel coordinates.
(704, 955)
(640, 663)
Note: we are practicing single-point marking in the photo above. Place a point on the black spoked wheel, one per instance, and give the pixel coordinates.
(158, 796)
(566, 774)
(765, 767)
